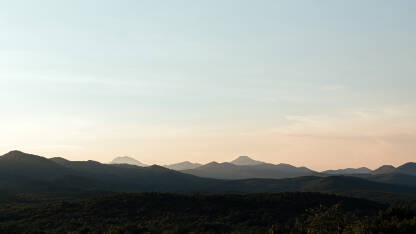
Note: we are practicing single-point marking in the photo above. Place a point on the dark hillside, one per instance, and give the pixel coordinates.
(155, 212)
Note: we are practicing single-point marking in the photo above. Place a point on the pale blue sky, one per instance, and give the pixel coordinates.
(142, 77)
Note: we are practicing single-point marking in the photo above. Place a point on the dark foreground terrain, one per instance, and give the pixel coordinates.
(197, 213)
(41, 195)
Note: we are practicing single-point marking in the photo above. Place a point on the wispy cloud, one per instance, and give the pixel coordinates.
(355, 124)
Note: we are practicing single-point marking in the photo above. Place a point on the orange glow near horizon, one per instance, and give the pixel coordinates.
(317, 142)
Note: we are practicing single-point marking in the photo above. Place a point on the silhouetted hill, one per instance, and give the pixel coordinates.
(126, 177)
(391, 175)
(408, 168)
(183, 166)
(385, 169)
(393, 178)
(127, 160)
(26, 172)
(245, 161)
(313, 183)
(402, 175)
(264, 170)
(16, 163)
(348, 171)
(20, 172)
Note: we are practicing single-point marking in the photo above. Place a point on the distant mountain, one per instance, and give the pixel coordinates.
(385, 169)
(402, 175)
(348, 171)
(183, 166)
(128, 160)
(30, 173)
(264, 170)
(393, 178)
(245, 161)
(408, 168)
(20, 172)
(19, 164)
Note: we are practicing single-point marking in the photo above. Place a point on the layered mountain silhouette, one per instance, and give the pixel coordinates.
(127, 160)
(384, 170)
(21, 172)
(392, 178)
(261, 170)
(245, 167)
(408, 168)
(183, 166)
(348, 171)
(242, 167)
(402, 175)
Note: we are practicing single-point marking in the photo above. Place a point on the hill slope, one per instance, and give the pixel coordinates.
(183, 166)
(264, 170)
(407, 168)
(22, 172)
(348, 171)
(179, 213)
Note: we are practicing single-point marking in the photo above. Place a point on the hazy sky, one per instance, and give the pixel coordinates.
(324, 84)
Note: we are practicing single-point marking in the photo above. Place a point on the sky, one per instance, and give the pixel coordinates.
(323, 84)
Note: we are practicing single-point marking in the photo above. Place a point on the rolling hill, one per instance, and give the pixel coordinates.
(348, 171)
(183, 166)
(264, 170)
(385, 169)
(407, 168)
(20, 172)
(393, 178)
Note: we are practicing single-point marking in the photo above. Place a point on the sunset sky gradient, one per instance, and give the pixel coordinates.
(322, 84)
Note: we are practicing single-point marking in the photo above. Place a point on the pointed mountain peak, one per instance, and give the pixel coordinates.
(127, 160)
(245, 161)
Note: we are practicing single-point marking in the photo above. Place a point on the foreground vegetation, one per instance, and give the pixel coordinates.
(180, 213)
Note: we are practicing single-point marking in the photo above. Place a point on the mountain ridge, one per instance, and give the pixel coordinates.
(185, 165)
(245, 161)
(231, 171)
(127, 160)
(348, 171)
(35, 174)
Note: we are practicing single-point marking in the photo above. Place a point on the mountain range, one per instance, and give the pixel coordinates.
(245, 167)
(176, 166)
(21, 172)
(348, 171)
(263, 170)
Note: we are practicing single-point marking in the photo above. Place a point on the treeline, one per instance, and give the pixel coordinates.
(198, 213)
